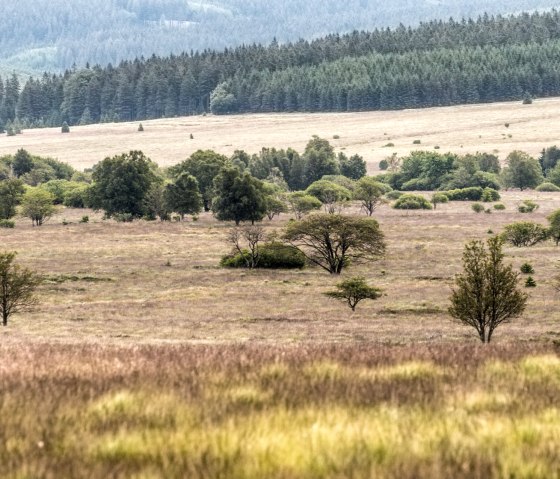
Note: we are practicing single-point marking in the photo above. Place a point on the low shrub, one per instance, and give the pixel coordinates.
(384, 164)
(412, 202)
(499, 206)
(527, 206)
(527, 268)
(273, 255)
(394, 195)
(477, 208)
(416, 142)
(489, 194)
(7, 224)
(547, 187)
(474, 193)
(530, 282)
(84, 219)
(525, 233)
(123, 218)
(388, 145)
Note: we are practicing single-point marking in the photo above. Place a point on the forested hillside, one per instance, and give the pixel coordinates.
(41, 35)
(437, 63)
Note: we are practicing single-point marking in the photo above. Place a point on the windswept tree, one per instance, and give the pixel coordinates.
(332, 241)
(17, 287)
(486, 293)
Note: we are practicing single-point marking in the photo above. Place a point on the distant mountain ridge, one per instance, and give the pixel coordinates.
(53, 35)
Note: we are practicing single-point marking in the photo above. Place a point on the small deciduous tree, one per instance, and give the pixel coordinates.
(370, 194)
(38, 205)
(522, 171)
(554, 229)
(354, 290)
(331, 195)
(301, 203)
(333, 241)
(183, 196)
(245, 242)
(17, 287)
(486, 293)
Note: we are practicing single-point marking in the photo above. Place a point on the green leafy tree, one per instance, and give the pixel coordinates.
(354, 290)
(301, 203)
(354, 167)
(333, 241)
(411, 201)
(522, 171)
(11, 192)
(38, 205)
(439, 198)
(554, 228)
(331, 195)
(17, 287)
(320, 160)
(238, 196)
(183, 195)
(121, 184)
(204, 165)
(22, 163)
(486, 293)
(370, 193)
(155, 203)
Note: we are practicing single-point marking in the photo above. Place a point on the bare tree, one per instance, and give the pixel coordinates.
(245, 241)
(17, 287)
(486, 293)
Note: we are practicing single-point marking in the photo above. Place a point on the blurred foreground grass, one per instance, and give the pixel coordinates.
(279, 412)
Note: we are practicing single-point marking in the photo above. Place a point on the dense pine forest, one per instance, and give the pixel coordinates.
(437, 63)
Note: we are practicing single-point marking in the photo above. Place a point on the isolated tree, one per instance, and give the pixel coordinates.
(121, 184)
(17, 287)
(522, 171)
(11, 192)
(354, 290)
(37, 205)
(486, 293)
(370, 194)
(554, 228)
(438, 198)
(204, 165)
(333, 241)
(183, 196)
(301, 203)
(524, 233)
(245, 241)
(238, 196)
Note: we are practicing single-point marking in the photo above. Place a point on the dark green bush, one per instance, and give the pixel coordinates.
(384, 164)
(477, 208)
(473, 193)
(7, 224)
(528, 206)
(530, 282)
(527, 268)
(412, 202)
(78, 197)
(273, 255)
(500, 206)
(489, 194)
(525, 233)
(123, 217)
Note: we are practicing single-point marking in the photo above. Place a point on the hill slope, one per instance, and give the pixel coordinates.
(39, 35)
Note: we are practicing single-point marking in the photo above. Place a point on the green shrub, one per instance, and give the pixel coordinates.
(85, 219)
(65, 128)
(384, 164)
(394, 195)
(499, 206)
(336, 137)
(416, 142)
(388, 145)
(437, 147)
(530, 282)
(477, 208)
(527, 268)
(123, 217)
(547, 187)
(78, 197)
(273, 255)
(528, 206)
(7, 224)
(412, 202)
(525, 233)
(140, 127)
(473, 193)
(489, 194)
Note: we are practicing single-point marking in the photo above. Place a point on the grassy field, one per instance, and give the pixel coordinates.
(461, 129)
(145, 359)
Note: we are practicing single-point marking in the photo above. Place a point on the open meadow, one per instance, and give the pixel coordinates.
(459, 129)
(146, 359)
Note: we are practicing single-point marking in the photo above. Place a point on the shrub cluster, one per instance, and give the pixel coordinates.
(272, 255)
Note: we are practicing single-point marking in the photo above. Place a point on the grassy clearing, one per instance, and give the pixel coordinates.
(460, 129)
(280, 412)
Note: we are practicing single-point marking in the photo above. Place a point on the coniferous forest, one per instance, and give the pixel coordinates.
(493, 58)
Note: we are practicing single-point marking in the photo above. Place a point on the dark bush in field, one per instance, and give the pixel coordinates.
(273, 255)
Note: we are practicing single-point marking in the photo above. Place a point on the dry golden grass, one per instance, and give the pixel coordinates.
(160, 282)
(460, 129)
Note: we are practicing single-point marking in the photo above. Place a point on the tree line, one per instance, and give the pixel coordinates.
(437, 63)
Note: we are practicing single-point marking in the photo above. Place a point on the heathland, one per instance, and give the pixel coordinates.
(144, 358)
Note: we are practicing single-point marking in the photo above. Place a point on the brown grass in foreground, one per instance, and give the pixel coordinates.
(308, 411)
(460, 129)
